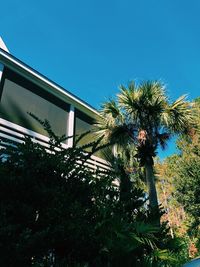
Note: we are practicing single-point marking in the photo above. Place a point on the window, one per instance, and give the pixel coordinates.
(20, 97)
(83, 123)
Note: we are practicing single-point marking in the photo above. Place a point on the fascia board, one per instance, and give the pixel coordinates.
(48, 85)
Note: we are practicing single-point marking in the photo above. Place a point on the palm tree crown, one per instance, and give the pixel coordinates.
(143, 115)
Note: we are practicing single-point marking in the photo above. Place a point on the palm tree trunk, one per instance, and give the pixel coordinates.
(125, 185)
(150, 179)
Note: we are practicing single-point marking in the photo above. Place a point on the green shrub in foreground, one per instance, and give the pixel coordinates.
(56, 212)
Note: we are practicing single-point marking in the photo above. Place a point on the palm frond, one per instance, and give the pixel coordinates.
(159, 258)
(153, 97)
(80, 137)
(110, 108)
(104, 126)
(108, 154)
(178, 116)
(163, 138)
(145, 228)
(128, 98)
(119, 134)
(144, 108)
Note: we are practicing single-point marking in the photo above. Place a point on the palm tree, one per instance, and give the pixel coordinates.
(143, 116)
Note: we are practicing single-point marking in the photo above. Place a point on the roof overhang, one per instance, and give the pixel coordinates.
(29, 73)
(3, 46)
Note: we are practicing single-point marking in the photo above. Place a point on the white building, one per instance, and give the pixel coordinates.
(23, 90)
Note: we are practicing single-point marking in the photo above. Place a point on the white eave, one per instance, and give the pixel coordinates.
(3, 46)
(18, 66)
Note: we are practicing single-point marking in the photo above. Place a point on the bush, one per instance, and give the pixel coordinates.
(57, 212)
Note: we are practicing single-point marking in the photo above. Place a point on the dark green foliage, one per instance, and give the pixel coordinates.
(179, 188)
(187, 185)
(187, 175)
(56, 212)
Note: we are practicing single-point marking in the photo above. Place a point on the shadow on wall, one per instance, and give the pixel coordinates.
(14, 114)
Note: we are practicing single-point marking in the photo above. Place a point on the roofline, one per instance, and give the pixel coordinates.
(3, 45)
(46, 80)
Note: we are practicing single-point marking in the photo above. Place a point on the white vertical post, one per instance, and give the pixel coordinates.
(114, 150)
(2, 46)
(70, 126)
(1, 71)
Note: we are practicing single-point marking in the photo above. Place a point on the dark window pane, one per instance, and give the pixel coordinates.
(17, 102)
(82, 127)
(83, 124)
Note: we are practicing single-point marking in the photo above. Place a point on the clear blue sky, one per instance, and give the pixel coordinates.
(90, 47)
